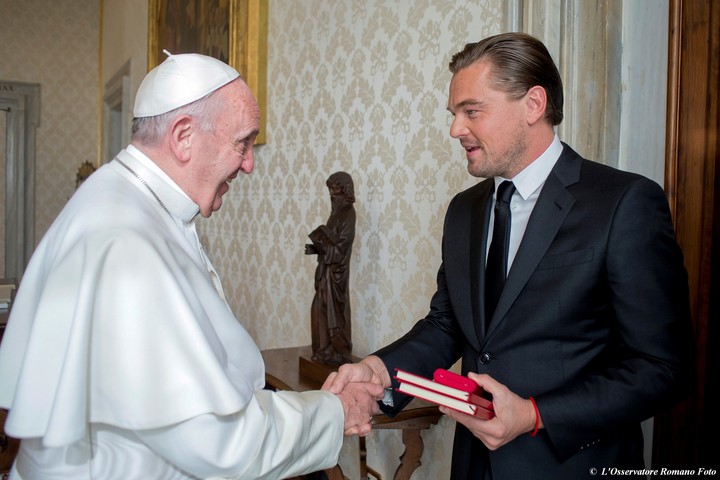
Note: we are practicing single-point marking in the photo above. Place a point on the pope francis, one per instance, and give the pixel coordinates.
(121, 358)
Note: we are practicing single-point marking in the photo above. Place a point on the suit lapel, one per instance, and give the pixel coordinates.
(552, 207)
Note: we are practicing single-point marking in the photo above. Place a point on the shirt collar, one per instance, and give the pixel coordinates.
(534, 175)
(168, 192)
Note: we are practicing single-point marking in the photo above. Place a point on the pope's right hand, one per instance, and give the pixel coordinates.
(360, 403)
(355, 383)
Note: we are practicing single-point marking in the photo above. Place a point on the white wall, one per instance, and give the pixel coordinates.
(644, 87)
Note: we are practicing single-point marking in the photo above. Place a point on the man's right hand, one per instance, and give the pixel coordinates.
(369, 370)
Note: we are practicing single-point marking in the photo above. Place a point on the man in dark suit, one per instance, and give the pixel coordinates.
(591, 332)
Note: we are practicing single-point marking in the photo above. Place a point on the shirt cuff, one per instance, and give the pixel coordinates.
(388, 397)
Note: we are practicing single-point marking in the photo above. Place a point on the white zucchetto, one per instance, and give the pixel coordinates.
(181, 79)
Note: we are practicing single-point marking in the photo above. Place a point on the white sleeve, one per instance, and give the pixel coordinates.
(278, 435)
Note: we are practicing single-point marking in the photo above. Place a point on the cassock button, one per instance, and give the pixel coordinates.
(484, 358)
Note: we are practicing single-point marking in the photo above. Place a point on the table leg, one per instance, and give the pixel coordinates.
(363, 458)
(410, 459)
(335, 473)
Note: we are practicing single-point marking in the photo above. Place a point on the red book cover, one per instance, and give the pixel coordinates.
(448, 389)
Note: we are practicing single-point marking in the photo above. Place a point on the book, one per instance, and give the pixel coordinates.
(440, 399)
(448, 389)
(448, 383)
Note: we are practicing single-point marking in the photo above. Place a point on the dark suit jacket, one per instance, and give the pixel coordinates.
(594, 321)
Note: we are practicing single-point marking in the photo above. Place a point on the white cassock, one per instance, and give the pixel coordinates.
(122, 360)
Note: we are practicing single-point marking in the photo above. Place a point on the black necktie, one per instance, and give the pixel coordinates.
(497, 259)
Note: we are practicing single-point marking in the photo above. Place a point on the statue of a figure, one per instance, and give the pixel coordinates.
(332, 243)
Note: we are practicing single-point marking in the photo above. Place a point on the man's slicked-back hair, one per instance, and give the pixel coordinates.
(519, 62)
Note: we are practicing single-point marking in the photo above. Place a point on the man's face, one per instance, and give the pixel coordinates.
(226, 152)
(491, 128)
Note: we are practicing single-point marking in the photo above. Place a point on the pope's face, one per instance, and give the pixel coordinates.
(227, 151)
(491, 128)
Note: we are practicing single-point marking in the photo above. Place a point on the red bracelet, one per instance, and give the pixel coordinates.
(537, 417)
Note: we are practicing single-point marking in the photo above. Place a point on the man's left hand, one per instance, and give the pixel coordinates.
(514, 415)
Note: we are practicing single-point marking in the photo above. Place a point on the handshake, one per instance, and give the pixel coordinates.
(359, 386)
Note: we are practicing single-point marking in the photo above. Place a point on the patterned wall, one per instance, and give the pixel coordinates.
(359, 86)
(55, 44)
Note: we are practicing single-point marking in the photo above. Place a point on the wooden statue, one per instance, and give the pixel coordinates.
(332, 243)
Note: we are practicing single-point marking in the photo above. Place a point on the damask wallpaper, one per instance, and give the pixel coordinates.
(55, 44)
(359, 86)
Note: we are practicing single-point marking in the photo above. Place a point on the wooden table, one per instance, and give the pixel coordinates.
(4, 315)
(282, 372)
(5, 312)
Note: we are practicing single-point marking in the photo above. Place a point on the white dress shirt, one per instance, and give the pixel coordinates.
(528, 184)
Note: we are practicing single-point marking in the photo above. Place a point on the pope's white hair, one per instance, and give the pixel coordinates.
(205, 111)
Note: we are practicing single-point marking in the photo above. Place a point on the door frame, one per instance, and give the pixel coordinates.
(684, 436)
(22, 102)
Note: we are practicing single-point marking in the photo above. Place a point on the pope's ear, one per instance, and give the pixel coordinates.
(181, 130)
(536, 102)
